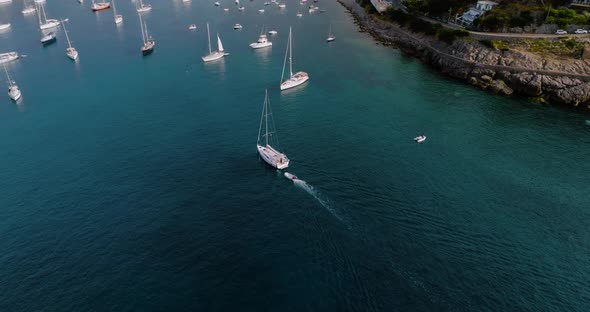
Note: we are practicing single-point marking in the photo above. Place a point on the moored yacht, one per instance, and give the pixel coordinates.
(71, 52)
(214, 55)
(13, 90)
(44, 22)
(99, 6)
(296, 79)
(48, 38)
(8, 57)
(262, 42)
(148, 42)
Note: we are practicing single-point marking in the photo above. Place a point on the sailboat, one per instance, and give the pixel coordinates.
(262, 41)
(270, 155)
(100, 6)
(143, 7)
(28, 9)
(13, 90)
(294, 79)
(118, 17)
(148, 41)
(214, 55)
(45, 23)
(70, 51)
(330, 36)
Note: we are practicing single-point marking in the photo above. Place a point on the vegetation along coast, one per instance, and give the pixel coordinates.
(531, 48)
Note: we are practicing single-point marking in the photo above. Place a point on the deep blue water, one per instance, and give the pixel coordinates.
(131, 183)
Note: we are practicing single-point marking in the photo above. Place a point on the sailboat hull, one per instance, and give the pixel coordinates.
(295, 80)
(100, 6)
(213, 56)
(14, 93)
(148, 48)
(50, 23)
(273, 157)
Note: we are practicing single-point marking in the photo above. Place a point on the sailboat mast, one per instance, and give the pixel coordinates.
(266, 116)
(67, 37)
(290, 54)
(44, 16)
(142, 32)
(114, 9)
(38, 13)
(7, 76)
(209, 38)
(147, 37)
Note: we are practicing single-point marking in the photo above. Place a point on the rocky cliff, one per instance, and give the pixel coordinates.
(545, 78)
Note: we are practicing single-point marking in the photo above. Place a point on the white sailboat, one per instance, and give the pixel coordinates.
(8, 57)
(70, 51)
(262, 41)
(214, 55)
(118, 17)
(265, 149)
(4, 26)
(294, 79)
(143, 7)
(45, 23)
(13, 90)
(148, 41)
(331, 37)
(28, 9)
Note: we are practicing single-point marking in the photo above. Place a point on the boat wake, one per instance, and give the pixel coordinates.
(325, 202)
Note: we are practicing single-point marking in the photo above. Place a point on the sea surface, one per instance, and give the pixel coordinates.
(132, 183)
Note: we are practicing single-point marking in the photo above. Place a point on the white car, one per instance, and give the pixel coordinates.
(561, 32)
(581, 31)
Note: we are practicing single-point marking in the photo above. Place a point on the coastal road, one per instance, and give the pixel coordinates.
(503, 36)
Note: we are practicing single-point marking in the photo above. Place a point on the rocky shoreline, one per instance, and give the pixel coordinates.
(565, 82)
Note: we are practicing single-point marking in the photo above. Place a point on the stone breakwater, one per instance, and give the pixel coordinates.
(564, 82)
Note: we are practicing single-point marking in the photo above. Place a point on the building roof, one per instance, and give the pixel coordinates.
(487, 2)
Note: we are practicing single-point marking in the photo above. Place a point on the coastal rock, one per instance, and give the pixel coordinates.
(506, 71)
(575, 96)
(500, 87)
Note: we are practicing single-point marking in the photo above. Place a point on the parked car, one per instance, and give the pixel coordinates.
(581, 31)
(561, 32)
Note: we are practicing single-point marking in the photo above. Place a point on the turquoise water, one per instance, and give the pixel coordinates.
(131, 183)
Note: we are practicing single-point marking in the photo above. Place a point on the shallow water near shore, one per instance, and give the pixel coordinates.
(132, 183)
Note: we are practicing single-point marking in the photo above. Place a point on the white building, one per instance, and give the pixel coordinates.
(381, 5)
(480, 8)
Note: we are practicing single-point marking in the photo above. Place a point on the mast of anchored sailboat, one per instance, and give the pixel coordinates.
(143, 35)
(209, 38)
(290, 54)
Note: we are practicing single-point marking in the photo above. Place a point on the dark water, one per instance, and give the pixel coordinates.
(133, 184)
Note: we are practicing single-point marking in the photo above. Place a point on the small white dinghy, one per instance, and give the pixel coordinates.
(192, 27)
(291, 177)
(420, 138)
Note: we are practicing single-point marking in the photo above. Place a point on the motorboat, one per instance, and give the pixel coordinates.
(217, 3)
(225, 9)
(261, 43)
(237, 26)
(420, 138)
(48, 38)
(261, 10)
(192, 27)
(241, 8)
(282, 5)
(272, 32)
(299, 15)
(4, 26)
